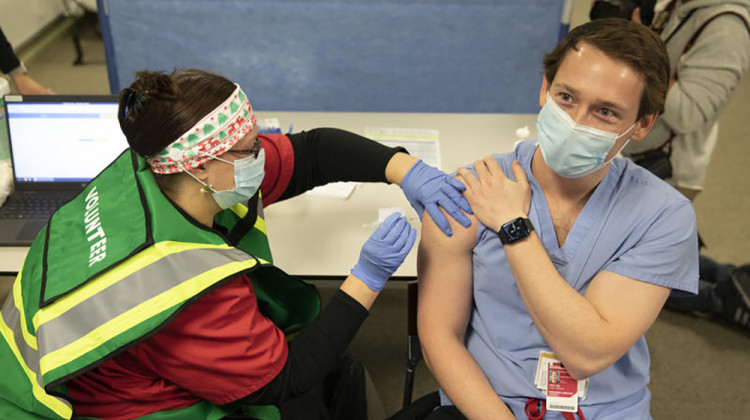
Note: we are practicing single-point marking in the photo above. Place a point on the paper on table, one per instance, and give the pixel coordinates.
(383, 214)
(423, 144)
(340, 190)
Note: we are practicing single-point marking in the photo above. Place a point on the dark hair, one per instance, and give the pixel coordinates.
(623, 9)
(158, 108)
(632, 43)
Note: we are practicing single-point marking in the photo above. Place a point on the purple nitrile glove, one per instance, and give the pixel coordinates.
(428, 188)
(384, 251)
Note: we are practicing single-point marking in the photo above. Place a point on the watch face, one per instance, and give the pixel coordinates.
(516, 229)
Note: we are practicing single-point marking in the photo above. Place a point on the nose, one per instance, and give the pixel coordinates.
(578, 114)
(582, 115)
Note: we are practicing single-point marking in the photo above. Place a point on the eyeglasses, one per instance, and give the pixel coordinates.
(251, 151)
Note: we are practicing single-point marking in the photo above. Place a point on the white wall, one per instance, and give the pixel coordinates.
(22, 19)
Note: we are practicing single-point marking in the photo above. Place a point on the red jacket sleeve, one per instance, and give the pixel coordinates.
(279, 166)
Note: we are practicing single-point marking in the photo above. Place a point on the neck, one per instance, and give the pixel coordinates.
(568, 189)
(200, 206)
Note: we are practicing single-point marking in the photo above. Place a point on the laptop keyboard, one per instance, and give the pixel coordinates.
(31, 206)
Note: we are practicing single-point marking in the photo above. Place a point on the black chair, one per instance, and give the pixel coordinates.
(413, 348)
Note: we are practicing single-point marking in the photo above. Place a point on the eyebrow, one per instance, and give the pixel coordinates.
(252, 146)
(606, 104)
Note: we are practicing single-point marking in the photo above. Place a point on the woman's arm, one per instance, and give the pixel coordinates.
(326, 155)
(314, 351)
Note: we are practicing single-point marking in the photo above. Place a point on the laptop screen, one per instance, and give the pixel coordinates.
(62, 139)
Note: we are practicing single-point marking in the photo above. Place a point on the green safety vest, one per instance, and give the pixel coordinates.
(112, 267)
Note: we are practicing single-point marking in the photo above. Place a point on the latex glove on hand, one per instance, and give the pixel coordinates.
(428, 188)
(384, 251)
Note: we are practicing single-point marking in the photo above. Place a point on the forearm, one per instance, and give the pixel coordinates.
(8, 60)
(314, 351)
(690, 105)
(398, 166)
(707, 75)
(326, 155)
(358, 290)
(577, 333)
(462, 379)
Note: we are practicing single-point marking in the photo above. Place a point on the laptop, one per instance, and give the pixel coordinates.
(57, 145)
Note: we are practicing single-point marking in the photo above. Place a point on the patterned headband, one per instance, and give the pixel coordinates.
(213, 135)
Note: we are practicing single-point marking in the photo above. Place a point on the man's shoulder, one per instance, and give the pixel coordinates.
(462, 239)
(637, 179)
(523, 151)
(637, 188)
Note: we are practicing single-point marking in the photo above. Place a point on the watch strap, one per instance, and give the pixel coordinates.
(506, 238)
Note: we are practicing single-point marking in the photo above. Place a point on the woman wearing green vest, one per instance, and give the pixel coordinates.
(153, 294)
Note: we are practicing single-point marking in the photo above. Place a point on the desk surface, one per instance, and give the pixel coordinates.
(321, 236)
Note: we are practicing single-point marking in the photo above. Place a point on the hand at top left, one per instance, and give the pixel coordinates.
(28, 86)
(494, 197)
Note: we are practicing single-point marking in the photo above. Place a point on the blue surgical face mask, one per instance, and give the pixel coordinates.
(572, 150)
(248, 175)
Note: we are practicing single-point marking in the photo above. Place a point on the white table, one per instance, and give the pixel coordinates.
(321, 237)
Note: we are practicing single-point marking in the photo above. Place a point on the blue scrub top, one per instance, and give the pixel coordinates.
(634, 224)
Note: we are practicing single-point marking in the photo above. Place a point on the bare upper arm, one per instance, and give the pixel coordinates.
(444, 269)
(629, 306)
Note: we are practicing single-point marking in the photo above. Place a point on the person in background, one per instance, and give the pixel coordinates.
(572, 251)
(13, 67)
(709, 49)
(162, 299)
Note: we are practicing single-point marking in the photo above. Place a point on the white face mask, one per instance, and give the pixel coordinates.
(248, 175)
(572, 150)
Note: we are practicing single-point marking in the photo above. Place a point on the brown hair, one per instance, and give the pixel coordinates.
(626, 41)
(158, 108)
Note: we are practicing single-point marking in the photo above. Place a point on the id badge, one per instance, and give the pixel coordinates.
(561, 389)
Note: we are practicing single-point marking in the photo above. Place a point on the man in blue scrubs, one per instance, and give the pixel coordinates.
(571, 252)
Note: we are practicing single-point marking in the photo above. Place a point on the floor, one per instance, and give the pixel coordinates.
(700, 368)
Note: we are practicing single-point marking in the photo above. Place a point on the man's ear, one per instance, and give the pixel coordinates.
(644, 126)
(543, 92)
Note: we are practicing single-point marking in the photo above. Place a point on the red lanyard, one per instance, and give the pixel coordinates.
(535, 410)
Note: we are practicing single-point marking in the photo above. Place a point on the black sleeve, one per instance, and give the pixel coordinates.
(314, 351)
(8, 60)
(326, 155)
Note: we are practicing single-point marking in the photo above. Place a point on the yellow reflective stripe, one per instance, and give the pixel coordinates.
(140, 313)
(142, 259)
(239, 209)
(18, 300)
(54, 404)
(260, 224)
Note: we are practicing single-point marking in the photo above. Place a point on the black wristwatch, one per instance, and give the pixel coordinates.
(515, 230)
